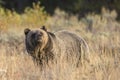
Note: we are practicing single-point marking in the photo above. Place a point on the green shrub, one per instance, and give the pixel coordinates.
(33, 16)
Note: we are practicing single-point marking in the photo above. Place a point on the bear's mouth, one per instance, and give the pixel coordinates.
(38, 38)
(38, 42)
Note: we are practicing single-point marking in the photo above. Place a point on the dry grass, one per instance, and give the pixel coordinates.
(102, 33)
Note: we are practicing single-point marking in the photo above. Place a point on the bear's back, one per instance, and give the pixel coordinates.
(71, 39)
(68, 36)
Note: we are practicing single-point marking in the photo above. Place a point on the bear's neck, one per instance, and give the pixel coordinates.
(49, 45)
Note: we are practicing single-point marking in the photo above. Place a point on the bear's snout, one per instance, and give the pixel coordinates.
(38, 37)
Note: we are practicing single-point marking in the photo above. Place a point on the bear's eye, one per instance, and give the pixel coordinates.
(39, 33)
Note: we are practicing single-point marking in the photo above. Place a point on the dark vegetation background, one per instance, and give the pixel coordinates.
(80, 7)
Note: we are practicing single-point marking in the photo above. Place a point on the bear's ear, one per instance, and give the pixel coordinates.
(44, 28)
(26, 31)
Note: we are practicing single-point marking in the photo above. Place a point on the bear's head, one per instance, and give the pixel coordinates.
(36, 39)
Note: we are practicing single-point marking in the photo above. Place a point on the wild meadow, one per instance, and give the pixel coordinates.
(101, 32)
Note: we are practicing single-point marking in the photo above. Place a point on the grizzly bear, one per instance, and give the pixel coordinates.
(45, 46)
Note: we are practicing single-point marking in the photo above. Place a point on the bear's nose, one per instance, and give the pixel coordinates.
(38, 37)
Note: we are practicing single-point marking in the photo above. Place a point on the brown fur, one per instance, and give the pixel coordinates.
(62, 45)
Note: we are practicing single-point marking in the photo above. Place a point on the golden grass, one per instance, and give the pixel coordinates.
(103, 39)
